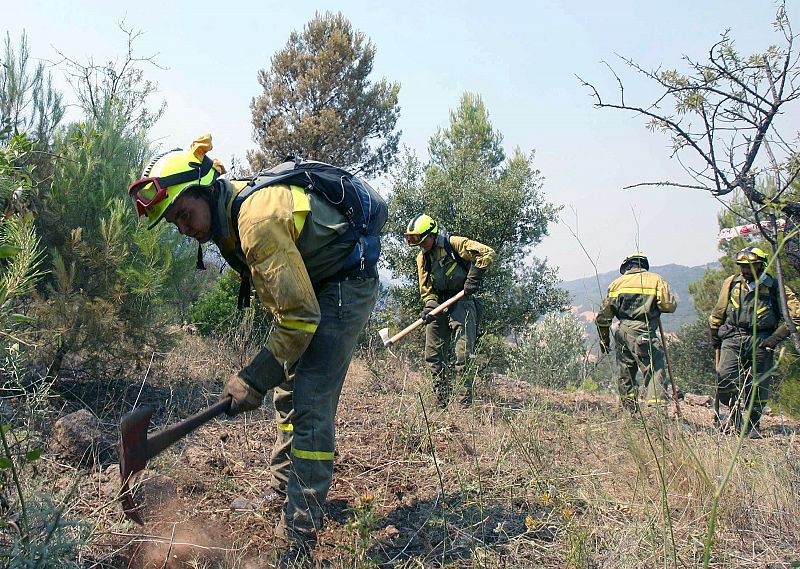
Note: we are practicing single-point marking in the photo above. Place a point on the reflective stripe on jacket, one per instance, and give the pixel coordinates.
(637, 296)
(446, 277)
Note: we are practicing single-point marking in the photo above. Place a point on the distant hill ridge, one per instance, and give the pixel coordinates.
(587, 293)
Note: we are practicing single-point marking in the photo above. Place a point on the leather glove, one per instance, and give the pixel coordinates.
(425, 314)
(778, 336)
(713, 338)
(605, 340)
(474, 280)
(244, 396)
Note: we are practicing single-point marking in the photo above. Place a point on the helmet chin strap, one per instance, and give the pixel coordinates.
(201, 266)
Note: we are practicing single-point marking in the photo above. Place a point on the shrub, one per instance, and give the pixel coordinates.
(551, 353)
(214, 313)
(692, 357)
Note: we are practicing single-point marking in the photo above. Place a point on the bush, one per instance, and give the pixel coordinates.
(214, 313)
(551, 353)
(692, 358)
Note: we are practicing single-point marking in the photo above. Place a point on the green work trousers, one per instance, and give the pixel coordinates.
(735, 385)
(305, 409)
(449, 345)
(639, 349)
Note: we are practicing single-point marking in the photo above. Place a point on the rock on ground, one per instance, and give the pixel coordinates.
(76, 437)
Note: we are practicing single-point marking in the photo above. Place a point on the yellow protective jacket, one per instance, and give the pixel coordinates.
(289, 240)
(737, 305)
(636, 299)
(440, 276)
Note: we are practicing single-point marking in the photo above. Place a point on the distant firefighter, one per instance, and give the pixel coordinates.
(446, 265)
(747, 316)
(637, 299)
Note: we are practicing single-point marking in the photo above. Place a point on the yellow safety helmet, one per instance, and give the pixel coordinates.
(638, 258)
(419, 228)
(751, 256)
(168, 175)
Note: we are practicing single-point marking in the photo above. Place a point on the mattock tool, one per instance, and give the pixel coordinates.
(136, 448)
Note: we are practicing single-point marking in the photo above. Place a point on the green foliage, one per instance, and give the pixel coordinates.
(214, 312)
(319, 101)
(551, 353)
(787, 398)
(28, 102)
(360, 527)
(20, 255)
(48, 539)
(33, 532)
(692, 358)
(110, 275)
(472, 189)
(109, 293)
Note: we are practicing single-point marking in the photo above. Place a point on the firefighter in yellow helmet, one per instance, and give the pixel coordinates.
(748, 316)
(637, 299)
(446, 265)
(295, 247)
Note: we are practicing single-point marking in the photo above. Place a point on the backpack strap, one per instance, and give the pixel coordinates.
(455, 256)
(245, 286)
(448, 248)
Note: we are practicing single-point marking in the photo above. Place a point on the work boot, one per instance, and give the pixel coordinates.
(296, 557)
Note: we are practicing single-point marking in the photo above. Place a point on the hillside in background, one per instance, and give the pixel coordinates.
(587, 293)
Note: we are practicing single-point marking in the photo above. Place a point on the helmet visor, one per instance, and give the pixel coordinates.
(747, 258)
(145, 193)
(413, 238)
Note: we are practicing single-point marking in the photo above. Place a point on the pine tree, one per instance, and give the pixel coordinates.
(319, 101)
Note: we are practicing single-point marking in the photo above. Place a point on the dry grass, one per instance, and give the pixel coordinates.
(524, 478)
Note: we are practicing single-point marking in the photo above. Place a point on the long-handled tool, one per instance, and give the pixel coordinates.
(717, 353)
(669, 368)
(136, 448)
(384, 332)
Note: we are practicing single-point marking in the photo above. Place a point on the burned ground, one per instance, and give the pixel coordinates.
(525, 477)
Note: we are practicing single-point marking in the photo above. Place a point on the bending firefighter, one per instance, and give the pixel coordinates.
(298, 251)
(637, 299)
(745, 327)
(446, 265)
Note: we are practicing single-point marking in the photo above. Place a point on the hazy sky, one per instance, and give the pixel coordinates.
(521, 57)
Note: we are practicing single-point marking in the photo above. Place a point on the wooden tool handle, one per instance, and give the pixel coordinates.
(165, 438)
(438, 310)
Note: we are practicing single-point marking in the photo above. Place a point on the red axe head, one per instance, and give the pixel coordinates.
(132, 456)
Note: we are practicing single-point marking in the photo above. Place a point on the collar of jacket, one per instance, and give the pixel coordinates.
(222, 195)
(765, 280)
(635, 270)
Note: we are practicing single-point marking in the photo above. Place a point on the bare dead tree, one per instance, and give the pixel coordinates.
(118, 83)
(726, 120)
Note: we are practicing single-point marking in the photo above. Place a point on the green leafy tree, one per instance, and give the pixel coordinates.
(320, 102)
(473, 189)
